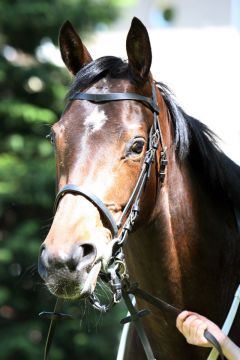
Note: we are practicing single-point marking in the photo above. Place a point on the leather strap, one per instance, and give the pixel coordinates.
(163, 306)
(209, 336)
(139, 327)
(98, 98)
(54, 316)
(77, 190)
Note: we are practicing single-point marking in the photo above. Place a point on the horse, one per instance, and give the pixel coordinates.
(184, 246)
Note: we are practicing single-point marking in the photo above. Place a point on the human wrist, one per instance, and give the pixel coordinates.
(230, 350)
(223, 340)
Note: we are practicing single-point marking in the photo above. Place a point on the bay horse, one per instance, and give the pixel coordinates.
(185, 245)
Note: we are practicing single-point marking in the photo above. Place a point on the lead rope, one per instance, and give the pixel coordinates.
(162, 305)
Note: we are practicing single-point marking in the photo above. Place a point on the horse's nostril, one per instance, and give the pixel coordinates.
(42, 248)
(43, 262)
(88, 255)
(88, 249)
(82, 256)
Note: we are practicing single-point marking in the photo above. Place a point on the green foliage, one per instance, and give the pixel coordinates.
(42, 18)
(32, 98)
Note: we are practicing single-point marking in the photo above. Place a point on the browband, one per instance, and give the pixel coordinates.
(98, 98)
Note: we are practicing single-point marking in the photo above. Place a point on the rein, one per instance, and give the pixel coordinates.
(116, 273)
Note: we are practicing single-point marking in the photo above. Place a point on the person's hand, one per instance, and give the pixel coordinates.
(193, 325)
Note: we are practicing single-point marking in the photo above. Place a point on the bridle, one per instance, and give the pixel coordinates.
(155, 139)
(116, 274)
(131, 210)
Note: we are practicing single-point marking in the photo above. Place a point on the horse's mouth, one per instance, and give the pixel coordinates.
(74, 286)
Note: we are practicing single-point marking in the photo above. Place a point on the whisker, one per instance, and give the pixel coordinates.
(45, 226)
(30, 271)
(105, 289)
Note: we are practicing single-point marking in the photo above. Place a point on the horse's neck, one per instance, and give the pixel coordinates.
(179, 256)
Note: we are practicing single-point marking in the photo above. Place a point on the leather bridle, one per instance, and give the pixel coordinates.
(77, 190)
(155, 139)
(116, 274)
(131, 210)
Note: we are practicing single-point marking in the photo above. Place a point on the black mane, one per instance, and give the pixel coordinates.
(105, 66)
(193, 140)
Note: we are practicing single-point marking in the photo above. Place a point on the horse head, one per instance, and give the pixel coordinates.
(101, 148)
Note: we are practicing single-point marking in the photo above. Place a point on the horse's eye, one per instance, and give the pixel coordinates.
(137, 147)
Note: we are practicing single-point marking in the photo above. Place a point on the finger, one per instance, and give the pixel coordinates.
(189, 325)
(199, 337)
(195, 334)
(181, 318)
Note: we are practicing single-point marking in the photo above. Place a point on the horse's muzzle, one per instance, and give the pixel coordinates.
(67, 274)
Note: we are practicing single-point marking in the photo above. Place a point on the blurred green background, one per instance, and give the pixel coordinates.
(32, 98)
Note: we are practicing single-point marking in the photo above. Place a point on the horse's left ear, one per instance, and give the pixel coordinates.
(139, 50)
(74, 54)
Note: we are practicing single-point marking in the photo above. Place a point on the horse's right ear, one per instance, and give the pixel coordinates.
(74, 53)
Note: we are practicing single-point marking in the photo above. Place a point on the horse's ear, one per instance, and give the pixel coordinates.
(74, 53)
(139, 50)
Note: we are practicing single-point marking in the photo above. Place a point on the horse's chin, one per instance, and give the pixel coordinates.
(74, 287)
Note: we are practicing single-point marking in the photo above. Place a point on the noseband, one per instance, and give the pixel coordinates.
(77, 190)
